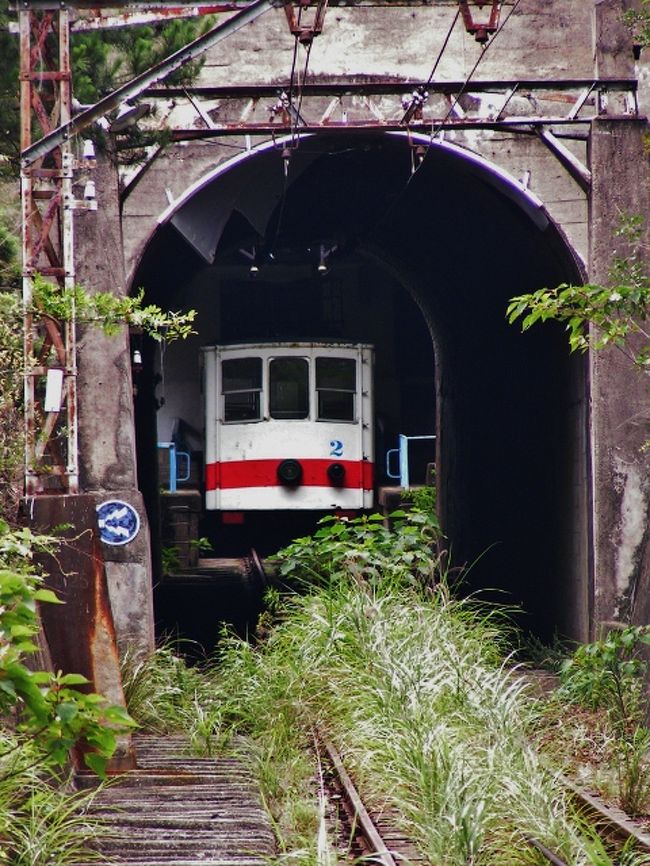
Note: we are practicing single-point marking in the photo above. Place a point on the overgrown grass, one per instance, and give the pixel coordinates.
(42, 821)
(413, 688)
(596, 720)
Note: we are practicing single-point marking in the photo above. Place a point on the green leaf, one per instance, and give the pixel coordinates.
(73, 680)
(67, 711)
(97, 763)
(48, 596)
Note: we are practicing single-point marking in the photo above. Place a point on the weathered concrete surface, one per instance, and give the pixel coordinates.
(620, 425)
(175, 810)
(106, 427)
(619, 392)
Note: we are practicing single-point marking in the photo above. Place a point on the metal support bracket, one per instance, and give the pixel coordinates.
(300, 26)
(577, 169)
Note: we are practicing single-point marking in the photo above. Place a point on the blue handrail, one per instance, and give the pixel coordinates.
(403, 451)
(174, 477)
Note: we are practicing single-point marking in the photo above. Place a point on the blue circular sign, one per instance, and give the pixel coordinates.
(118, 522)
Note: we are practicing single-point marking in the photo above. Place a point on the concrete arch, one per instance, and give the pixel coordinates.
(460, 236)
(499, 178)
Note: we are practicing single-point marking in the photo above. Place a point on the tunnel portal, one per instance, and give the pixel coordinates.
(354, 238)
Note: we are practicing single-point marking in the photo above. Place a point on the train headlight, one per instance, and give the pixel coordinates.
(336, 474)
(289, 472)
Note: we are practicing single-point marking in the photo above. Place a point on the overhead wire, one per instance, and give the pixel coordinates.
(453, 106)
(435, 130)
(444, 46)
(294, 120)
(422, 87)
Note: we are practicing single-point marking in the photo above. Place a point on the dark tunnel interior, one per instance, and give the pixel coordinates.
(449, 245)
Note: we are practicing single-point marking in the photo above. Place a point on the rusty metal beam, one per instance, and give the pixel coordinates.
(118, 8)
(388, 86)
(138, 84)
(512, 124)
(575, 167)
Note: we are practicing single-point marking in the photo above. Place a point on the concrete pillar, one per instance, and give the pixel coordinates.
(620, 393)
(106, 425)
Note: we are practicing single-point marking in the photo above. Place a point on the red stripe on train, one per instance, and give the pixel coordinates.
(263, 473)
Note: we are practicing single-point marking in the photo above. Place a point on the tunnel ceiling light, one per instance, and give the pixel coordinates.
(254, 258)
(324, 254)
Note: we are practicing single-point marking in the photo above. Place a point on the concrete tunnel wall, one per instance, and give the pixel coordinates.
(462, 238)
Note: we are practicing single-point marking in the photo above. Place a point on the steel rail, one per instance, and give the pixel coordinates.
(369, 831)
(619, 827)
(616, 825)
(545, 852)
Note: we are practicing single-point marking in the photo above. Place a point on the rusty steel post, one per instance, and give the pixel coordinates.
(51, 460)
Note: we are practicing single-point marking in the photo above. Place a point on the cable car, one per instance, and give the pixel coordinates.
(288, 426)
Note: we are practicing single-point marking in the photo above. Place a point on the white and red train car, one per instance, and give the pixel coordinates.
(288, 426)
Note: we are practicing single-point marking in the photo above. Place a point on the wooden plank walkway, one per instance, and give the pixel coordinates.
(176, 810)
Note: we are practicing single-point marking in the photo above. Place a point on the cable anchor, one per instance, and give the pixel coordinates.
(481, 30)
(305, 31)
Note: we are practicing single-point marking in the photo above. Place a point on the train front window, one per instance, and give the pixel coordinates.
(336, 386)
(289, 388)
(241, 384)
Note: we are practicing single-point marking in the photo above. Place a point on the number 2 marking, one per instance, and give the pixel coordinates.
(336, 448)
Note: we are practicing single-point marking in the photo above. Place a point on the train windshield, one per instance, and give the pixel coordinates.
(289, 388)
(336, 385)
(241, 380)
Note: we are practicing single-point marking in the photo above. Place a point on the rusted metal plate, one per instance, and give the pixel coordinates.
(80, 633)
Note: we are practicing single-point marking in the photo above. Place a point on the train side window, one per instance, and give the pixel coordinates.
(241, 385)
(289, 388)
(336, 386)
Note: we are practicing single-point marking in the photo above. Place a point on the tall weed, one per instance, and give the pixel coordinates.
(411, 685)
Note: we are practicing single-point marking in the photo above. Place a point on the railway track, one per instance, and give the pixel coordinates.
(377, 839)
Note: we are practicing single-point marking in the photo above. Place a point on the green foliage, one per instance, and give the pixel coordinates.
(423, 498)
(609, 674)
(638, 20)
(40, 823)
(11, 384)
(9, 99)
(110, 312)
(56, 710)
(599, 316)
(101, 309)
(367, 548)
